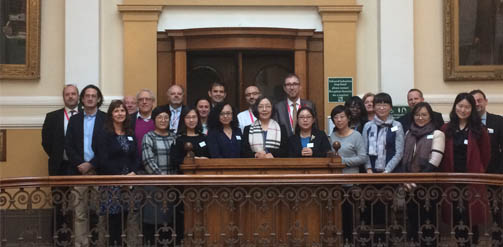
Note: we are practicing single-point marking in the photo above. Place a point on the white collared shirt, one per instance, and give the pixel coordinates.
(138, 115)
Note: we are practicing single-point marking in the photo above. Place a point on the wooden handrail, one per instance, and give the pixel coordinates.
(259, 179)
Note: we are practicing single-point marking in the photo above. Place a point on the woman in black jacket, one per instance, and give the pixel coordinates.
(308, 140)
(117, 155)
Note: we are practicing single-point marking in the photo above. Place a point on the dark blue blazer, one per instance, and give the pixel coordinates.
(74, 140)
(112, 159)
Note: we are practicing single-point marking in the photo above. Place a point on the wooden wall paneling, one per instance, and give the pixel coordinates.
(300, 64)
(180, 47)
(238, 43)
(165, 67)
(315, 76)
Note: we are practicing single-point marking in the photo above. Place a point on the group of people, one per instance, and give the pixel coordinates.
(133, 137)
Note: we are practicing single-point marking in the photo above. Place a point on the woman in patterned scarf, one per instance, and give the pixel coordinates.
(265, 138)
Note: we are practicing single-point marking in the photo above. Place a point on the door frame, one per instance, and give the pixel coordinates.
(174, 44)
(306, 44)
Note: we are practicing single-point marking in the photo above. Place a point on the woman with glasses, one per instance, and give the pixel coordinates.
(358, 112)
(423, 151)
(189, 132)
(383, 137)
(308, 140)
(224, 134)
(156, 147)
(265, 138)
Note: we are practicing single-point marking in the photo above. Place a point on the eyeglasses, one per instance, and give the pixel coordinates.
(305, 117)
(226, 114)
(292, 84)
(144, 99)
(252, 94)
(264, 107)
(163, 118)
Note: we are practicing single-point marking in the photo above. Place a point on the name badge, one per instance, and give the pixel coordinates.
(310, 145)
(394, 128)
(130, 138)
(466, 142)
(238, 138)
(429, 137)
(491, 131)
(202, 144)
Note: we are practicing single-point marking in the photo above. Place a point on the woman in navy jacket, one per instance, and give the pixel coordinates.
(117, 155)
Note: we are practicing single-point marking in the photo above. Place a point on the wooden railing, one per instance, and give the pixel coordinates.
(262, 209)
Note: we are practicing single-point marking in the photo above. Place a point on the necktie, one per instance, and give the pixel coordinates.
(72, 112)
(174, 119)
(294, 116)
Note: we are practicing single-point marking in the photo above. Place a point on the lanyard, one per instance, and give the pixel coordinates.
(251, 116)
(289, 114)
(66, 115)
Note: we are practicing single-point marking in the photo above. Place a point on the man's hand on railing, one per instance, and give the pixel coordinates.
(409, 186)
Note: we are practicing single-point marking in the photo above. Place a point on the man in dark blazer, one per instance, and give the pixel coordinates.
(415, 96)
(175, 105)
(286, 114)
(54, 131)
(81, 144)
(494, 125)
(53, 141)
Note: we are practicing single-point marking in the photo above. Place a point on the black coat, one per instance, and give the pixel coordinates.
(494, 124)
(320, 148)
(112, 159)
(74, 140)
(53, 141)
(278, 153)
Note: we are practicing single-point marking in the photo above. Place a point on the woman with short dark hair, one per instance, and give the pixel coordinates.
(224, 134)
(383, 137)
(265, 138)
(358, 112)
(308, 140)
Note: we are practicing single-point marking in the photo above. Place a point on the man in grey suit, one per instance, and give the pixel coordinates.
(286, 110)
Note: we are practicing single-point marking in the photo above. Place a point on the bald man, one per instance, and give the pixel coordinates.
(252, 93)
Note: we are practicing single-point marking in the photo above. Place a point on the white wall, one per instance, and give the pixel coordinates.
(207, 17)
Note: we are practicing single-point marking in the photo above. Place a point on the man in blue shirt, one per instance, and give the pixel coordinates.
(80, 143)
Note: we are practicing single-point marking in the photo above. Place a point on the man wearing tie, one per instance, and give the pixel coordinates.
(175, 100)
(53, 140)
(494, 125)
(286, 110)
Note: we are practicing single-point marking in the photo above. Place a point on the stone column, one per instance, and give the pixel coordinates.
(140, 47)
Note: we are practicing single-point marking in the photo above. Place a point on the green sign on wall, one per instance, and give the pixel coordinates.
(340, 89)
(400, 110)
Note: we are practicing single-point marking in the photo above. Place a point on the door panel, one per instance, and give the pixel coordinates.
(204, 68)
(265, 69)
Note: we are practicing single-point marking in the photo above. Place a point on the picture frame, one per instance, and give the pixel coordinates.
(473, 51)
(20, 35)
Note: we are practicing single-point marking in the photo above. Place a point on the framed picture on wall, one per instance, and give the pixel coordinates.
(19, 39)
(473, 40)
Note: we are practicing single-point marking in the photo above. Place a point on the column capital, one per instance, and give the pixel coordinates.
(341, 13)
(140, 12)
